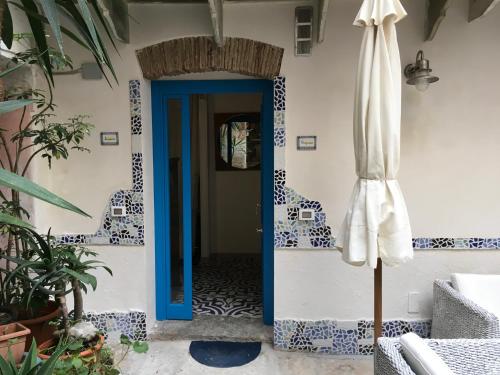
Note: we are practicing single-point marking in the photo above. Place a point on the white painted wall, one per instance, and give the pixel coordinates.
(449, 150)
(236, 193)
(317, 284)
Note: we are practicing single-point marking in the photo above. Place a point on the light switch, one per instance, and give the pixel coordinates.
(413, 302)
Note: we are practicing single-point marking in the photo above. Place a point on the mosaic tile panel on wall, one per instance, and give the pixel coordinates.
(340, 337)
(131, 324)
(127, 230)
(289, 231)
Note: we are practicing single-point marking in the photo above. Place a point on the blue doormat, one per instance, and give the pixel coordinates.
(223, 354)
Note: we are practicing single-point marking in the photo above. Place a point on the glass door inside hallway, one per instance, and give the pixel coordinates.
(178, 207)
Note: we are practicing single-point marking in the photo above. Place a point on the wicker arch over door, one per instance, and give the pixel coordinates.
(201, 54)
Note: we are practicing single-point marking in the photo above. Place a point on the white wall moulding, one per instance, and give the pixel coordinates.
(128, 229)
(201, 54)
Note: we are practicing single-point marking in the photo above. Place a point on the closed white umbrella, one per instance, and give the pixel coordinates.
(376, 225)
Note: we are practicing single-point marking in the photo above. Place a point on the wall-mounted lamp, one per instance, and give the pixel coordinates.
(419, 74)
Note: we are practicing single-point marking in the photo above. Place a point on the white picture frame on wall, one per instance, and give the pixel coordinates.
(110, 139)
(306, 143)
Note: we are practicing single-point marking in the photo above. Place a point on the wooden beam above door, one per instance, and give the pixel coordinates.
(436, 12)
(323, 10)
(216, 14)
(480, 8)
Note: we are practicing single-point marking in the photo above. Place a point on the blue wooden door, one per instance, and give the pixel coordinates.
(172, 174)
(170, 105)
(267, 205)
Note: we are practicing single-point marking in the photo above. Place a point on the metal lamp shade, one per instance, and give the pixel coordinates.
(419, 74)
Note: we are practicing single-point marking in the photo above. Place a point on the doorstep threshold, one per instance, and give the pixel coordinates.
(213, 328)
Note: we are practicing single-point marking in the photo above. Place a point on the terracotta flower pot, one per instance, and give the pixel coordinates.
(13, 337)
(53, 342)
(39, 326)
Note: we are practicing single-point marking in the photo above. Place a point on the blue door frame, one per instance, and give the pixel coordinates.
(161, 91)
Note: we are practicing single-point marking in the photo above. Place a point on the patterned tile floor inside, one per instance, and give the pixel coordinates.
(228, 286)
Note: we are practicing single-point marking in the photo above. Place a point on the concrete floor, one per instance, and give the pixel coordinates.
(172, 357)
(213, 328)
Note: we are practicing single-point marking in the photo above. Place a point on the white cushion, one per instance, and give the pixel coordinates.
(421, 358)
(481, 289)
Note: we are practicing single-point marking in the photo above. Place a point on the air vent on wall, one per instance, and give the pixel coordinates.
(303, 31)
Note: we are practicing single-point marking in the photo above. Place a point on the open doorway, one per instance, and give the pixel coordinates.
(226, 204)
(213, 172)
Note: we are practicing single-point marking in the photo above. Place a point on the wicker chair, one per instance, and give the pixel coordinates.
(457, 317)
(463, 357)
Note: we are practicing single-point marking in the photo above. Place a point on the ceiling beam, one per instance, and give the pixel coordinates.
(116, 14)
(480, 8)
(217, 25)
(323, 10)
(436, 12)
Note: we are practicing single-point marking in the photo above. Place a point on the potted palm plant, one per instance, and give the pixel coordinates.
(33, 309)
(36, 136)
(21, 184)
(12, 339)
(54, 269)
(31, 365)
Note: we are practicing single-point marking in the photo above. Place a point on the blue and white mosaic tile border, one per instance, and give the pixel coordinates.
(128, 230)
(347, 338)
(456, 243)
(131, 324)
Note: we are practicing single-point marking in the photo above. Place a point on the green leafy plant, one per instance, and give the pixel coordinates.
(103, 362)
(100, 363)
(53, 139)
(38, 136)
(18, 228)
(136, 345)
(78, 14)
(22, 184)
(30, 364)
(53, 269)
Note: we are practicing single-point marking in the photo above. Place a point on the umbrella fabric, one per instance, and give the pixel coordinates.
(377, 223)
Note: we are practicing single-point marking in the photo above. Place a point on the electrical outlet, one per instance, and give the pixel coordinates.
(118, 211)
(413, 302)
(306, 214)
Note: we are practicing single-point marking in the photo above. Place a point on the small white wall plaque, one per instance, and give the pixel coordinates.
(306, 143)
(109, 139)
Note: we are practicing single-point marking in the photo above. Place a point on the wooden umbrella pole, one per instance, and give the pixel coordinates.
(378, 300)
